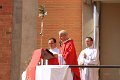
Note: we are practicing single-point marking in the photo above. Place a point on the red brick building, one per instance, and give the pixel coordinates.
(61, 14)
(6, 23)
(20, 28)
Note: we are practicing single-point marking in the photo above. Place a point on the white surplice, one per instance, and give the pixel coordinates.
(91, 59)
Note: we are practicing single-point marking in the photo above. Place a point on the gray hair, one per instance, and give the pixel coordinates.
(63, 32)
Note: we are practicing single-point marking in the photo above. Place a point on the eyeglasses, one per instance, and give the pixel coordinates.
(50, 43)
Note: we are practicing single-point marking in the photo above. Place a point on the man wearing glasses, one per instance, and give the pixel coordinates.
(67, 49)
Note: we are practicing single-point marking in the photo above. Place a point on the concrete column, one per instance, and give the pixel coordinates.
(28, 42)
(24, 35)
(16, 40)
(87, 21)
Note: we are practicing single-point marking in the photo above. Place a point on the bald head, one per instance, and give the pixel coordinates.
(63, 35)
(63, 32)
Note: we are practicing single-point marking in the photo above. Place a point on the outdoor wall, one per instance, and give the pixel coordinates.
(87, 22)
(5, 38)
(20, 28)
(28, 33)
(23, 35)
(16, 40)
(109, 40)
(61, 14)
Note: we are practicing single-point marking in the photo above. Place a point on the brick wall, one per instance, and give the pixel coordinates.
(5, 38)
(61, 14)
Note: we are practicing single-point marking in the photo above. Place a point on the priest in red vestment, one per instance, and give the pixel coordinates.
(31, 69)
(68, 52)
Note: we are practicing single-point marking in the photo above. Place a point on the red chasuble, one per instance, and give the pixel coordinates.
(68, 52)
(31, 69)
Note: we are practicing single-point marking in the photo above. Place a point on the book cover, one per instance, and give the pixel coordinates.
(46, 54)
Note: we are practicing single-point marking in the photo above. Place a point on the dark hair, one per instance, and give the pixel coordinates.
(54, 40)
(90, 38)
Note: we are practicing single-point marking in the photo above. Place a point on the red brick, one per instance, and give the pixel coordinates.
(61, 14)
(5, 38)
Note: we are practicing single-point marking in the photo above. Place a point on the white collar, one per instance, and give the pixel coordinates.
(67, 40)
(53, 48)
(91, 47)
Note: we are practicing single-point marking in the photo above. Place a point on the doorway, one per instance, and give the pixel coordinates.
(110, 40)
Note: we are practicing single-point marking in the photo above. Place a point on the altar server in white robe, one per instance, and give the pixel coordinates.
(89, 56)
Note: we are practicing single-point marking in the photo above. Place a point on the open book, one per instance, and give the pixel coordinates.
(46, 54)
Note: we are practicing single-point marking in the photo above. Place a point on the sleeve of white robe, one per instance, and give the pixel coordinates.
(93, 58)
(80, 58)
